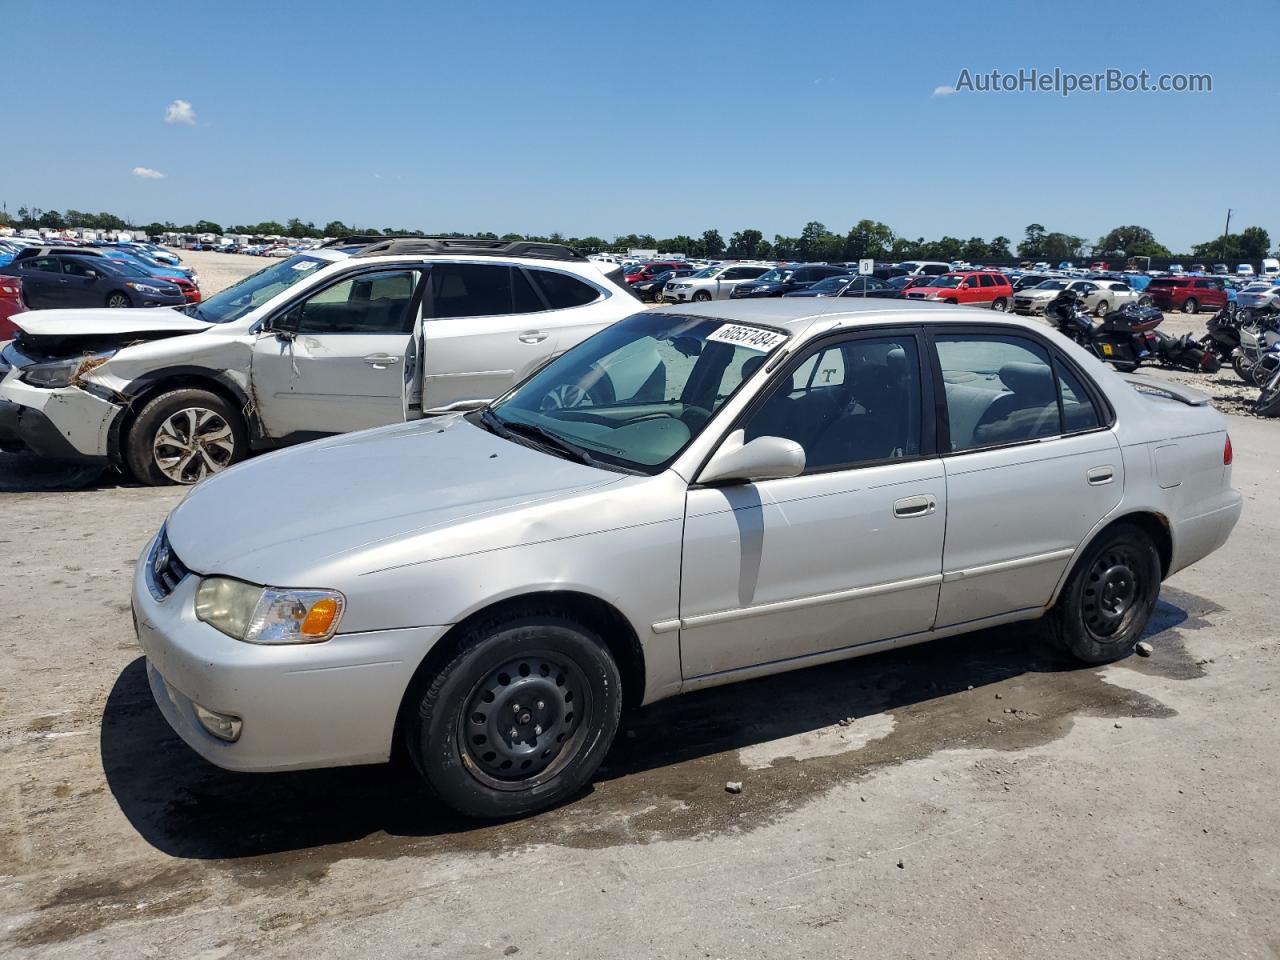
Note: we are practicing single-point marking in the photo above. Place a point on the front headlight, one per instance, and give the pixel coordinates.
(145, 288)
(266, 615)
(60, 373)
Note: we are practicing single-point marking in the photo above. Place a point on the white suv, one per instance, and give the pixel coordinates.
(713, 283)
(353, 335)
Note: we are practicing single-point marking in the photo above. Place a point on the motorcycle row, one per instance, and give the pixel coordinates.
(1127, 338)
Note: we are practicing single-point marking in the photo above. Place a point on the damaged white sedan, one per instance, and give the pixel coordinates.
(730, 490)
(357, 335)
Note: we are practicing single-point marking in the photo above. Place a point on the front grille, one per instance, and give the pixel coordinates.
(164, 570)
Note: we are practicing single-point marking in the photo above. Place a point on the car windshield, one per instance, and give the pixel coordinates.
(1052, 285)
(775, 276)
(898, 282)
(830, 285)
(123, 268)
(256, 289)
(945, 281)
(634, 395)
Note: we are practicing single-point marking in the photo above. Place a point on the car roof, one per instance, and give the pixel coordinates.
(797, 314)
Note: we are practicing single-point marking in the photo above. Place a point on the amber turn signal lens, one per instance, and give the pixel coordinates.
(319, 618)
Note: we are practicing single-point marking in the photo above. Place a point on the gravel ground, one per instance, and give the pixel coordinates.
(975, 797)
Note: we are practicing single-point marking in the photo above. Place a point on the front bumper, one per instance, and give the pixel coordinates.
(66, 424)
(301, 706)
(1029, 308)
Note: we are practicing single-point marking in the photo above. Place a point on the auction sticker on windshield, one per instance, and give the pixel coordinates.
(741, 335)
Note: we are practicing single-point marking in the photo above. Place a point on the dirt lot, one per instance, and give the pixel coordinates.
(975, 797)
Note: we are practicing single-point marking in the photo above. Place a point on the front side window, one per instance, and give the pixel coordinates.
(77, 269)
(999, 390)
(366, 303)
(848, 404)
(635, 394)
(239, 299)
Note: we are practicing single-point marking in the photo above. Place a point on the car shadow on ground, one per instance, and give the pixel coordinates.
(188, 808)
(27, 473)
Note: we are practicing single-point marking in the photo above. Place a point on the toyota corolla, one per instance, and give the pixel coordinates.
(724, 490)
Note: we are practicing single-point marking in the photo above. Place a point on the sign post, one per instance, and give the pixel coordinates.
(865, 266)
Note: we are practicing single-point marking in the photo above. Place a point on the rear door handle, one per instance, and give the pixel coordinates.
(1100, 475)
(381, 359)
(532, 336)
(918, 506)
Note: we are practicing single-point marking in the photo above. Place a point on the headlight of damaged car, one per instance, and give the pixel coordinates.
(266, 615)
(60, 373)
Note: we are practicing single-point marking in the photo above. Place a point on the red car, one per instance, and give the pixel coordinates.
(190, 292)
(980, 288)
(10, 303)
(1187, 294)
(651, 270)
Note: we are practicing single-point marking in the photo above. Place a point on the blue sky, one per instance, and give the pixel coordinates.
(601, 118)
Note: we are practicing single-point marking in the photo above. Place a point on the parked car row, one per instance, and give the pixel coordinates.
(66, 277)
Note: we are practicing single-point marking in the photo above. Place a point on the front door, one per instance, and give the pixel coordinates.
(335, 361)
(847, 553)
(1031, 470)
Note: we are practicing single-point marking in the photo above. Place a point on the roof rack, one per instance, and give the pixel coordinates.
(362, 239)
(438, 246)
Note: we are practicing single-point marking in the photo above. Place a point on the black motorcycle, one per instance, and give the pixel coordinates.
(1127, 338)
(1223, 338)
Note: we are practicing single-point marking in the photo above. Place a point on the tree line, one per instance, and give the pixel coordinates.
(866, 238)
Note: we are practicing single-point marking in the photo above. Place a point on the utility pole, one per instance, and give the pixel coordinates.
(1225, 230)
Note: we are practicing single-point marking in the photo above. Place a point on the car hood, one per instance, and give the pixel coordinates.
(340, 507)
(105, 321)
(755, 286)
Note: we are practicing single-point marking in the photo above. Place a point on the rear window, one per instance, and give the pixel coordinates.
(1163, 282)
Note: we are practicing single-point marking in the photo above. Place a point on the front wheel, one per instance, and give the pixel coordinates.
(1268, 402)
(1107, 601)
(519, 719)
(1190, 305)
(118, 300)
(183, 436)
(702, 296)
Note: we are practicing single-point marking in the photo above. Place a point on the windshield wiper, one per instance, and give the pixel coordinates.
(541, 434)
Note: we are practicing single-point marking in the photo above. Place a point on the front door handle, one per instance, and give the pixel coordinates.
(381, 360)
(918, 506)
(1101, 475)
(532, 336)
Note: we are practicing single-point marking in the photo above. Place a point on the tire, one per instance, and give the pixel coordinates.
(457, 730)
(702, 296)
(1107, 601)
(1268, 402)
(158, 450)
(1000, 305)
(118, 299)
(1242, 367)
(1190, 305)
(1144, 301)
(1101, 309)
(951, 300)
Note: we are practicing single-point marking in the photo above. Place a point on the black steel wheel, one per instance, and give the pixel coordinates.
(518, 719)
(1108, 598)
(524, 719)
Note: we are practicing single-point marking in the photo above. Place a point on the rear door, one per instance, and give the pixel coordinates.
(42, 282)
(1031, 468)
(335, 361)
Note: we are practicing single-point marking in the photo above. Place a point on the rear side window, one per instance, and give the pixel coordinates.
(46, 264)
(985, 280)
(563, 291)
(480, 290)
(999, 390)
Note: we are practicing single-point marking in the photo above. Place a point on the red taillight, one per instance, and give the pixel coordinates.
(1226, 452)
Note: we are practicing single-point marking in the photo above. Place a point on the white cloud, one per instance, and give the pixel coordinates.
(180, 112)
(943, 91)
(148, 174)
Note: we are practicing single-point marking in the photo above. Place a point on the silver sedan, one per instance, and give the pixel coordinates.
(740, 488)
(1099, 296)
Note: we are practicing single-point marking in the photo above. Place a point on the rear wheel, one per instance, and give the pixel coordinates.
(1242, 367)
(519, 719)
(1107, 601)
(183, 436)
(1190, 305)
(118, 299)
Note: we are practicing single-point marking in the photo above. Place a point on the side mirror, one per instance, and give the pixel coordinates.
(764, 458)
